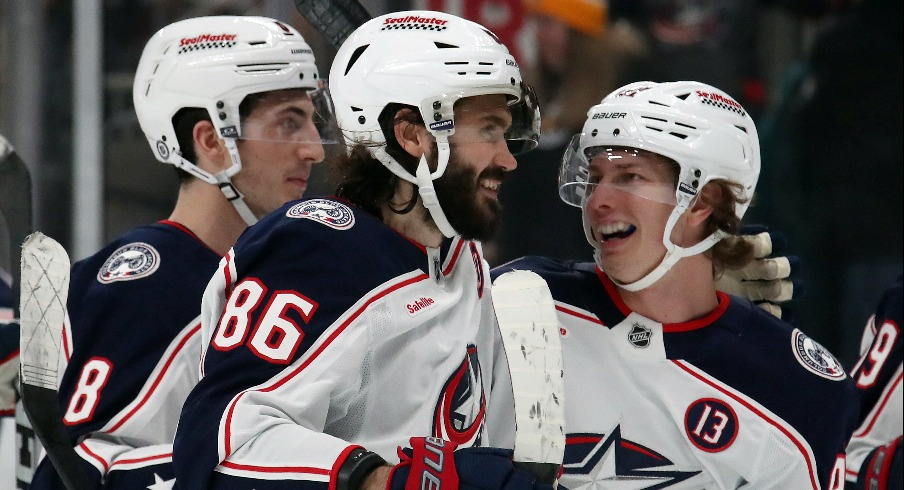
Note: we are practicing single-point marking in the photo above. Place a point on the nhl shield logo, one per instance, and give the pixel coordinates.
(331, 213)
(815, 357)
(640, 336)
(129, 262)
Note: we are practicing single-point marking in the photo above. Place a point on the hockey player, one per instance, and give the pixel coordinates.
(338, 330)
(236, 104)
(668, 382)
(874, 453)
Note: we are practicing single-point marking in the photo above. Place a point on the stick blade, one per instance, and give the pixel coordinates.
(45, 286)
(527, 320)
(334, 19)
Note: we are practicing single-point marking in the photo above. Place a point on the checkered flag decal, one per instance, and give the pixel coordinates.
(206, 45)
(414, 26)
(723, 105)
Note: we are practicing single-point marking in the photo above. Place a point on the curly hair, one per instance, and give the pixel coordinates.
(732, 252)
(362, 179)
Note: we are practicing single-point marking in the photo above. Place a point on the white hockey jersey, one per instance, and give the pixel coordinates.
(734, 400)
(878, 375)
(325, 330)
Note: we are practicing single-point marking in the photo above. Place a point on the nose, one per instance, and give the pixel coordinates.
(601, 197)
(311, 152)
(504, 158)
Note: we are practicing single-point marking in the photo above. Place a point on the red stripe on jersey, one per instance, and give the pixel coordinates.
(191, 334)
(640, 449)
(188, 232)
(341, 328)
(582, 316)
(10, 357)
(157, 457)
(800, 446)
(583, 440)
(714, 315)
(275, 469)
(66, 349)
(613, 293)
(227, 292)
(96, 457)
(334, 472)
(886, 396)
(454, 256)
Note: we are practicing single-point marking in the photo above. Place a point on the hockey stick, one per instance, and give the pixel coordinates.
(45, 286)
(16, 215)
(334, 19)
(530, 334)
(15, 208)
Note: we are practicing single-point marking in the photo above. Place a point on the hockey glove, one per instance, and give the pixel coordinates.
(767, 280)
(431, 462)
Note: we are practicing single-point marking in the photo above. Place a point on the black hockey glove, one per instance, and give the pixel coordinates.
(770, 281)
(435, 463)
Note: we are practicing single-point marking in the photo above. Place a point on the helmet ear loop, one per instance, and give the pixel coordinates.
(426, 190)
(229, 190)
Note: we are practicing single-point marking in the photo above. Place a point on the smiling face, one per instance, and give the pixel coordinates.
(469, 189)
(278, 147)
(630, 195)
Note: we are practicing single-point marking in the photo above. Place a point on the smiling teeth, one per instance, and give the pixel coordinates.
(490, 185)
(611, 228)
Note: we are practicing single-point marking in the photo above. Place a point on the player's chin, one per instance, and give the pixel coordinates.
(481, 226)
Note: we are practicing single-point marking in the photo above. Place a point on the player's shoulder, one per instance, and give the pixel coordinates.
(547, 267)
(141, 252)
(321, 237)
(776, 345)
(310, 221)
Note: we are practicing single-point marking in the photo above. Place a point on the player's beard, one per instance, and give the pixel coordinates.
(472, 216)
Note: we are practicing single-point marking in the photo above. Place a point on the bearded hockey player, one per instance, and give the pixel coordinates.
(339, 330)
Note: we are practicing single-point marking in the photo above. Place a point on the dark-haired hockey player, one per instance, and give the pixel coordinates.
(235, 104)
(339, 329)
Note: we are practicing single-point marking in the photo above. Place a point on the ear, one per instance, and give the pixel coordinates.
(413, 138)
(209, 148)
(701, 208)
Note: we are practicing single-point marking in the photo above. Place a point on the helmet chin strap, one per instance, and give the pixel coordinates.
(423, 178)
(428, 194)
(673, 254)
(223, 180)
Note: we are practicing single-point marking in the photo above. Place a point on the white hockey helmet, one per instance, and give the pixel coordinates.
(428, 60)
(698, 126)
(213, 63)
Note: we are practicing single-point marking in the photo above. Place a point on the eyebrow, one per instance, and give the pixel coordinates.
(499, 120)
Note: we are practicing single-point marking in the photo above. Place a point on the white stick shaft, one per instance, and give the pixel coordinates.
(527, 320)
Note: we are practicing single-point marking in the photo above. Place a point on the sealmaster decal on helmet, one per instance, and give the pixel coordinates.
(414, 20)
(206, 38)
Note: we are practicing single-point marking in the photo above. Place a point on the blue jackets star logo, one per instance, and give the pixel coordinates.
(596, 461)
